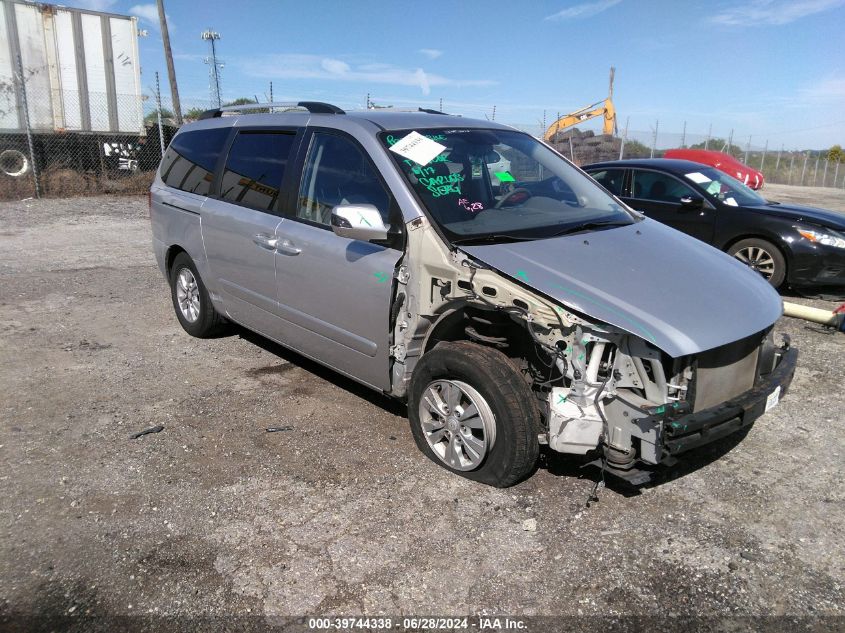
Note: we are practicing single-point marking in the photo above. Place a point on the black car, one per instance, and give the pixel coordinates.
(786, 243)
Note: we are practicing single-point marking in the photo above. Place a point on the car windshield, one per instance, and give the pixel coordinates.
(499, 185)
(719, 186)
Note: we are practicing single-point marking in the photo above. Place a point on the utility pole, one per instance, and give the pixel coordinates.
(791, 165)
(271, 92)
(824, 175)
(763, 160)
(494, 111)
(684, 136)
(816, 171)
(804, 170)
(440, 108)
(730, 141)
(747, 149)
(624, 138)
(709, 134)
(654, 138)
(777, 162)
(168, 56)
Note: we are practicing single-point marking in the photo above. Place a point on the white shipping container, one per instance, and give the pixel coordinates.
(80, 67)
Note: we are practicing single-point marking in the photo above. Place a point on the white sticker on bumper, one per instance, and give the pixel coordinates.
(773, 399)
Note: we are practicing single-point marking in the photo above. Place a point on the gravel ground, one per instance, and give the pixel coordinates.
(341, 514)
(824, 197)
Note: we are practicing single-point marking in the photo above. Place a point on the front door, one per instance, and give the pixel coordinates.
(239, 227)
(659, 195)
(337, 291)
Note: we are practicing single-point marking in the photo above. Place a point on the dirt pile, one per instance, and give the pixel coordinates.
(588, 147)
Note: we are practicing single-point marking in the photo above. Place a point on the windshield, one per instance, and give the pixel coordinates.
(499, 185)
(719, 186)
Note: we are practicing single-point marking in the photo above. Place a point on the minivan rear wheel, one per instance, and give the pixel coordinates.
(191, 302)
(472, 412)
(763, 257)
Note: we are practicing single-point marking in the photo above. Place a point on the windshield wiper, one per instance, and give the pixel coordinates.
(586, 226)
(491, 238)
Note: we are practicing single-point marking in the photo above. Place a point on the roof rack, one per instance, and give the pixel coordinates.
(406, 110)
(314, 107)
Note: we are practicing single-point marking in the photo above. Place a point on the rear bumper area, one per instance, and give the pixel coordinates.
(697, 429)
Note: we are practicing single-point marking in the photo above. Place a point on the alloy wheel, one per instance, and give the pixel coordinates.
(457, 422)
(758, 259)
(188, 295)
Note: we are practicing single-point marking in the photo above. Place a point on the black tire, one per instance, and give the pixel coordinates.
(516, 448)
(209, 322)
(778, 273)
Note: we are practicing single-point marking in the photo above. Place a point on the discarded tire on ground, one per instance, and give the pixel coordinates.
(14, 163)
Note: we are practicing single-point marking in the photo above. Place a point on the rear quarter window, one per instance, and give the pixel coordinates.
(189, 162)
(255, 168)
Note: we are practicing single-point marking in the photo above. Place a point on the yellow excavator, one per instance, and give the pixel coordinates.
(601, 108)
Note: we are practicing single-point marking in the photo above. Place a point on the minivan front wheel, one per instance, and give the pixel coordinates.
(472, 412)
(761, 256)
(193, 307)
(457, 423)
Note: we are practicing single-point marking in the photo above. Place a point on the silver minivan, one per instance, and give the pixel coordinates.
(510, 309)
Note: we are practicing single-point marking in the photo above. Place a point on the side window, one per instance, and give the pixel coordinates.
(650, 185)
(188, 164)
(255, 168)
(337, 172)
(610, 179)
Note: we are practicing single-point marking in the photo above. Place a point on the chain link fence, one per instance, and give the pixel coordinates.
(38, 157)
(811, 168)
(111, 146)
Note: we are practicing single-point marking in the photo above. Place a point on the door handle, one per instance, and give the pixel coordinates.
(268, 242)
(286, 247)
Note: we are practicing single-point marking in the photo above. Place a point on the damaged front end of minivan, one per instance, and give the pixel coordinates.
(631, 387)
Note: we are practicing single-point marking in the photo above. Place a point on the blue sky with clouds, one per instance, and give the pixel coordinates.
(772, 69)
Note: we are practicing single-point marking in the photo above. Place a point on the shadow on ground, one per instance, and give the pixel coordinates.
(557, 464)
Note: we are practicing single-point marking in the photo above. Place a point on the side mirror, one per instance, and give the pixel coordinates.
(358, 222)
(692, 202)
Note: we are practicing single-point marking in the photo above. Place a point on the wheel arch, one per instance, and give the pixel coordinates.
(453, 323)
(170, 256)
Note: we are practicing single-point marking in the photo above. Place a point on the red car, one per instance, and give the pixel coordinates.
(721, 161)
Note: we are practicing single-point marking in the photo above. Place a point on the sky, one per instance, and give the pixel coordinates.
(769, 69)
